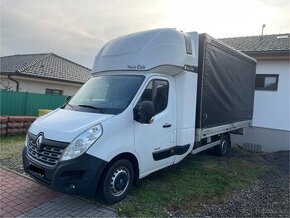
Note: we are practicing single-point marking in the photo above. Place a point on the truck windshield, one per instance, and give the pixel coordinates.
(106, 94)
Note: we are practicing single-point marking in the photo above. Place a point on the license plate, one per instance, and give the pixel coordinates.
(37, 170)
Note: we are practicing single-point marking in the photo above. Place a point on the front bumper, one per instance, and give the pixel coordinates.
(79, 176)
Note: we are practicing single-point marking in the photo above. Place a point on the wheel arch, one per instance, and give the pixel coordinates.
(129, 156)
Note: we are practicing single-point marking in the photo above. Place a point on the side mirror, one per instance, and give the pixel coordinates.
(144, 112)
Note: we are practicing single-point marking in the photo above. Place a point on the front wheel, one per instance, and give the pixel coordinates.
(224, 146)
(117, 182)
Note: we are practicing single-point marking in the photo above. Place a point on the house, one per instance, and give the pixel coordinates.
(271, 119)
(45, 73)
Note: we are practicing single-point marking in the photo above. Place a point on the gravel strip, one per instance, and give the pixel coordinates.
(13, 163)
(268, 197)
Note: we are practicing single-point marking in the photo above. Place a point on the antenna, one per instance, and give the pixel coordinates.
(263, 26)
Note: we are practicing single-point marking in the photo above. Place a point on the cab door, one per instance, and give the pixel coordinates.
(153, 141)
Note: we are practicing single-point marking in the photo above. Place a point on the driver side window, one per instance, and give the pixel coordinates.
(157, 92)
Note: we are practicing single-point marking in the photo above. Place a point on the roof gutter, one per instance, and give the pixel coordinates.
(17, 83)
(269, 53)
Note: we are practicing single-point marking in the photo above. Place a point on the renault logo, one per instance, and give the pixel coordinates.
(39, 142)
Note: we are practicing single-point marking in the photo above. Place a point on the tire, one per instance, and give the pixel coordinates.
(224, 146)
(117, 181)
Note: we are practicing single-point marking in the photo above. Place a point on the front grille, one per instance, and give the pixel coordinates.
(48, 155)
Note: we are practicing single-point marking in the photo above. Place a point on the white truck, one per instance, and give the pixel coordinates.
(154, 97)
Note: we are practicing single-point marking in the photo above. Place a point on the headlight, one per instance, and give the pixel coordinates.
(81, 143)
(26, 141)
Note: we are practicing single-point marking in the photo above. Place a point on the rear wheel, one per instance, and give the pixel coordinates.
(117, 181)
(224, 146)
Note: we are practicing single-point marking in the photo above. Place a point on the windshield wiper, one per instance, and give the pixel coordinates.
(101, 110)
(70, 105)
(64, 105)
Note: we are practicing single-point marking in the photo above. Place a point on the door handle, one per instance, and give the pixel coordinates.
(166, 125)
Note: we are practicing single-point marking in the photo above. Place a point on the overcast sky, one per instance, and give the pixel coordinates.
(77, 29)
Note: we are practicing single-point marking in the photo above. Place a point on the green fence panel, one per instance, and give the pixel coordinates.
(38, 101)
(27, 104)
(12, 103)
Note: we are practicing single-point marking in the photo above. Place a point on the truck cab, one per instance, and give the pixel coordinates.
(134, 116)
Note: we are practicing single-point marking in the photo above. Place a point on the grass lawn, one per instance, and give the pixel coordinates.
(183, 188)
(11, 146)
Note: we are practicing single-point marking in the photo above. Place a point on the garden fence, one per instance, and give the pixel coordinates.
(27, 104)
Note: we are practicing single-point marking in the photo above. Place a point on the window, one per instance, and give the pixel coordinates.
(109, 94)
(53, 91)
(157, 92)
(267, 82)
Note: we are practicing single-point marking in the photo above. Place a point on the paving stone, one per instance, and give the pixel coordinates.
(22, 197)
(14, 192)
(74, 207)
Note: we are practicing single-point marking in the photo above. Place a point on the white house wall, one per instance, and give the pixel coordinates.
(271, 120)
(39, 86)
(271, 108)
